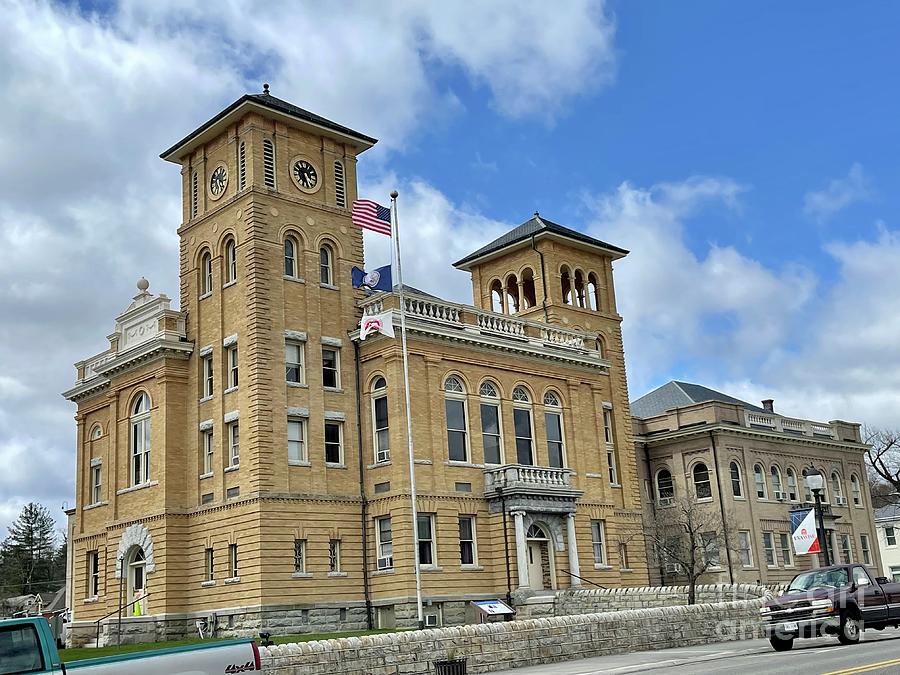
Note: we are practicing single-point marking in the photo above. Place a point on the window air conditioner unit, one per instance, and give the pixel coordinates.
(383, 455)
(666, 501)
(386, 563)
(431, 620)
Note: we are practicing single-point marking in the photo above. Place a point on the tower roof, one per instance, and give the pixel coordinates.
(537, 226)
(270, 106)
(677, 394)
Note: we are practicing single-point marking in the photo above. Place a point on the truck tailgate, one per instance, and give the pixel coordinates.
(219, 658)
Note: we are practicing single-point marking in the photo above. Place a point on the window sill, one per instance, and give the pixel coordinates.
(330, 287)
(95, 505)
(337, 574)
(618, 486)
(378, 465)
(704, 500)
(431, 568)
(133, 488)
(472, 568)
(206, 398)
(207, 584)
(233, 467)
(229, 284)
(296, 280)
(626, 569)
(298, 462)
(333, 390)
(230, 390)
(378, 573)
(772, 567)
(205, 296)
(91, 600)
(233, 580)
(460, 462)
(335, 465)
(740, 499)
(423, 461)
(593, 475)
(600, 566)
(298, 385)
(206, 475)
(301, 575)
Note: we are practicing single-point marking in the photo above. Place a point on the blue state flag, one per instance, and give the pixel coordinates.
(377, 280)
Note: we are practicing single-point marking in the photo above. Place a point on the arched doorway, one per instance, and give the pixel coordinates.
(136, 578)
(541, 568)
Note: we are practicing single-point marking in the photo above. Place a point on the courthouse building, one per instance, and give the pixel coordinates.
(242, 461)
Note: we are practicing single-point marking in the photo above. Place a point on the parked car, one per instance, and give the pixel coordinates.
(28, 646)
(841, 600)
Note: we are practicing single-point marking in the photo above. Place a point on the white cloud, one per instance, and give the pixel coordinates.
(821, 205)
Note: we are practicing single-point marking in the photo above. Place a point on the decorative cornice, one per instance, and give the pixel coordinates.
(653, 440)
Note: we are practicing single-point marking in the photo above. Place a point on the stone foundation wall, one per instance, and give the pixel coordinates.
(499, 646)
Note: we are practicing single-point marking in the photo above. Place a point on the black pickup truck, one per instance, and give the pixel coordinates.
(840, 600)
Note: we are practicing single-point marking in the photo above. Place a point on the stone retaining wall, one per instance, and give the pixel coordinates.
(499, 646)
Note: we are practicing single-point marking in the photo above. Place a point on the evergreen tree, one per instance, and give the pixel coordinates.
(29, 553)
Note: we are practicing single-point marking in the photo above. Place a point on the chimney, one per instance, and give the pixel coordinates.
(769, 405)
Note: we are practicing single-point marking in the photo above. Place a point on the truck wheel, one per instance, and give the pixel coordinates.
(781, 644)
(848, 634)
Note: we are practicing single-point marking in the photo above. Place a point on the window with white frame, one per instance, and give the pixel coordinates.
(855, 491)
(623, 556)
(745, 548)
(598, 541)
(290, 258)
(93, 574)
(300, 556)
(326, 265)
(710, 542)
(846, 549)
(759, 478)
(334, 445)
(791, 484)
(206, 273)
(665, 488)
(296, 435)
(837, 489)
(890, 536)
(334, 556)
(209, 560)
(96, 432)
(425, 527)
(96, 483)
(737, 485)
(776, 481)
(293, 362)
(491, 434)
(208, 449)
(380, 420)
(467, 552)
(864, 549)
(234, 444)
(331, 372)
(140, 440)
(232, 367)
(233, 560)
(769, 549)
(702, 484)
(208, 379)
(457, 423)
(230, 261)
(787, 554)
(609, 437)
(826, 488)
(522, 423)
(553, 420)
(384, 543)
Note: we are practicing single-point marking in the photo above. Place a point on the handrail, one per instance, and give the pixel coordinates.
(593, 583)
(116, 611)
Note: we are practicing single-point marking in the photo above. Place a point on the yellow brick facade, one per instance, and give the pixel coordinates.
(239, 289)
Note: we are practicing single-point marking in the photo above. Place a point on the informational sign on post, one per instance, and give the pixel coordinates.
(804, 534)
(493, 610)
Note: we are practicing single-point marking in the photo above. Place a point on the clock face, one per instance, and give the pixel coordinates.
(305, 175)
(218, 181)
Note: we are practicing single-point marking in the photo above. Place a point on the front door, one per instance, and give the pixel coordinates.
(535, 566)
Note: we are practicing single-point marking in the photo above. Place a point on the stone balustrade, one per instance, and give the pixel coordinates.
(789, 425)
(514, 478)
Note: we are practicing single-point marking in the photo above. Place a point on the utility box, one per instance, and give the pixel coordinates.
(492, 610)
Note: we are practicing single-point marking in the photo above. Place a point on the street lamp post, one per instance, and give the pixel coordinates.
(815, 481)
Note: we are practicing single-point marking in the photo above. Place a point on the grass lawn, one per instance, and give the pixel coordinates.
(78, 653)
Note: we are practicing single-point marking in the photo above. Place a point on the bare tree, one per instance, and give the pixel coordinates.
(883, 460)
(687, 539)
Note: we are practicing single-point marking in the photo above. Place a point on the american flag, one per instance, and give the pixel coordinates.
(370, 215)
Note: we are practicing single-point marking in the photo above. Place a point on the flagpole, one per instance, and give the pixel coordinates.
(412, 467)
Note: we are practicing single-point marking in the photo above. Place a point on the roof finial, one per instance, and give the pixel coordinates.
(265, 88)
(143, 285)
(536, 214)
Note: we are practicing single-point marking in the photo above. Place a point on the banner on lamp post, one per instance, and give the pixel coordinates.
(804, 533)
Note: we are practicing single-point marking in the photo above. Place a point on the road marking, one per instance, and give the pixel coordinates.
(864, 669)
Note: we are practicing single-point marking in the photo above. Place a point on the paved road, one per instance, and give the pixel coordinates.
(877, 653)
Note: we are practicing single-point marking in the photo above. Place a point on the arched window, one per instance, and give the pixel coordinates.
(457, 425)
(702, 486)
(776, 482)
(528, 293)
(522, 424)
(665, 488)
(759, 478)
(497, 296)
(290, 257)
(269, 163)
(791, 484)
(512, 294)
(96, 432)
(326, 265)
(737, 485)
(380, 426)
(195, 194)
(837, 489)
(206, 273)
(140, 440)
(553, 419)
(592, 292)
(230, 261)
(535, 531)
(242, 166)
(565, 279)
(855, 491)
(491, 434)
(826, 487)
(340, 190)
(579, 289)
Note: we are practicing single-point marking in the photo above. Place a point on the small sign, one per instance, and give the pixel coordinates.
(493, 607)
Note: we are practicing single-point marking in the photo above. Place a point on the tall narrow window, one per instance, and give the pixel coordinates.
(234, 443)
(565, 279)
(522, 424)
(769, 549)
(512, 294)
(233, 560)
(497, 296)
(230, 261)
(710, 541)
(554, 423)
(759, 478)
(195, 194)
(467, 555)
(528, 290)
(855, 491)
(140, 440)
(592, 291)
(610, 439)
(293, 362)
(208, 376)
(491, 435)
(665, 488)
(579, 289)
(787, 555)
(791, 484)
(93, 578)
(745, 548)
(210, 564)
(598, 542)
(737, 485)
(380, 426)
(242, 166)
(206, 273)
(837, 489)
(296, 432)
(334, 556)
(299, 556)
(290, 257)
(96, 483)
(208, 449)
(623, 556)
(232, 367)
(334, 452)
(340, 189)
(384, 543)
(331, 374)
(326, 265)
(269, 163)
(776, 482)
(457, 426)
(864, 549)
(702, 485)
(846, 549)
(425, 523)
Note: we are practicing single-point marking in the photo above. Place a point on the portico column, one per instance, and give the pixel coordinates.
(521, 557)
(573, 550)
